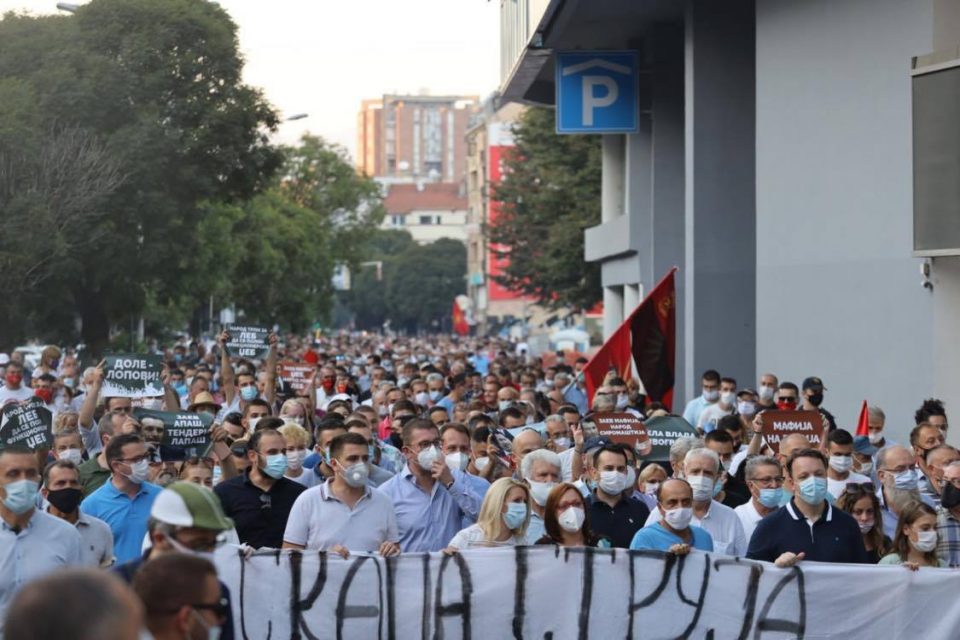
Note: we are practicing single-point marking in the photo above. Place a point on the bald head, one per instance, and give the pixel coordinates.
(528, 440)
(793, 442)
(674, 494)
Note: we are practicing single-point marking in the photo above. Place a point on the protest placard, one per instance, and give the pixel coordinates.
(132, 376)
(514, 593)
(248, 341)
(777, 425)
(27, 425)
(663, 432)
(181, 429)
(297, 375)
(623, 428)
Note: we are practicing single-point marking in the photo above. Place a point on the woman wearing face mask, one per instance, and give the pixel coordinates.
(197, 471)
(649, 480)
(860, 501)
(293, 412)
(915, 543)
(565, 520)
(503, 519)
(297, 441)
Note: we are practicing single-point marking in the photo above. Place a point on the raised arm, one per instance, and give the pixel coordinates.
(226, 369)
(271, 382)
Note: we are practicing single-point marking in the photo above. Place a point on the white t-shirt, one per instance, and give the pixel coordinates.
(749, 517)
(711, 415)
(836, 487)
(566, 464)
(307, 478)
(318, 520)
(18, 395)
(473, 536)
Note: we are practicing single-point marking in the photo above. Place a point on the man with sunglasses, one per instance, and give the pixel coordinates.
(182, 599)
(125, 500)
(186, 518)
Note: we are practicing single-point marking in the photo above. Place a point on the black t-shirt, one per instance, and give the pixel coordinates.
(260, 516)
(619, 523)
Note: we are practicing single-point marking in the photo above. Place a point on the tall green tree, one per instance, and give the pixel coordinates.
(550, 194)
(158, 83)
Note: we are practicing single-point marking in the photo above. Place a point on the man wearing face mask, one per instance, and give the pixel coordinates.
(899, 484)
(124, 501)
(813, 399)
(948, 517)
(710, 381)
(43, 388)
(938, 459)
(13, 389)
(863, 453)
(724, 406)
(62, 494)
(430, 499)
(32, 543)
(765, 480)
(808, 527)
(457, 453)
(344, 513)
(541, 471)
(259, 501)
(839, 471)
(876, 420)
(767, 394)
(612, 515)
(701, 469)
(924, 438)
(671, 531)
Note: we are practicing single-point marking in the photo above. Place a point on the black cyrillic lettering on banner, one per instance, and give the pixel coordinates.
(461, 608)
(300, 624)
(750, 597)
(703, 591)
(359, 611)
(778, 624)
(243, 601)
(668, 561)
(296, 566)
(425, 616)
(520, 592)
(586, 595)
(392, 597)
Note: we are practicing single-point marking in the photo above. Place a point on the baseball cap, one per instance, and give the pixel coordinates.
(862, 445)
(185, 504)
(596, 442)
(747, 390)
(812, 383)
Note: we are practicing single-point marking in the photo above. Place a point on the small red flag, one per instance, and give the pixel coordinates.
(863, 421)
(460, 325)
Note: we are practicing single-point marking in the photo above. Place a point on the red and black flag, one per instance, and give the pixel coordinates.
(647, 339)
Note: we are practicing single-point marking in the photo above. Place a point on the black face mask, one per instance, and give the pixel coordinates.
(65, 500)
(396, 440)
(816, 399)
(950, 496)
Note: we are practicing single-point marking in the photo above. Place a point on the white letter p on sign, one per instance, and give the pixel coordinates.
(591, 102)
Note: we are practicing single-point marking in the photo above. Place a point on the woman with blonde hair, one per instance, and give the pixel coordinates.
(297, 441)
(65, 420)
(503, 520)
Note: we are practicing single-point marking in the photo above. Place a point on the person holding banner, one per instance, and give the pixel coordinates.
(541, 471)
(614, 515)
(673, 531)
(765, 481)
(503, 519)
(566, 521)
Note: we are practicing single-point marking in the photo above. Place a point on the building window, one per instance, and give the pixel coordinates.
(397, 221)
(426, 219)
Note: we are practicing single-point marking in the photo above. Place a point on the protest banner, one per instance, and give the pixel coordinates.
(181, 429)
(248, 341)
(777, 425)
(663, 432)
(297, 375)
(132, 376)
(623, 428)
(27, 425)
(578, 593)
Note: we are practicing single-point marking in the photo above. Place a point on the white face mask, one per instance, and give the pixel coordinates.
(481, 463)
(252, 423)
(866, 468)
(678, 518)
(622, 401)
(926, 541)
(711, 396)
(650, 488)
(728, 397)
(562, 444)
(297, 420)
(356, 475)
(427, 457)
(540, 490)
(841, 464)
(504, 405)
(612, 482)
(295, 459)
(457, 460)
(139, 472)
(73, 455)
(422, 398)
(767, 392)
(875, 437)
(746, 408)
(571, 519)
(702, 487)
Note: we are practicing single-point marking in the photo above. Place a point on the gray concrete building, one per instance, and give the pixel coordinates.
(774, 167)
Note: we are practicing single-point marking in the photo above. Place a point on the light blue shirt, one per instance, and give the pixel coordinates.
(535, 529)
(480, 487)
(428, 521)
(126, 517)
(577, 398)
(890, 519)
(656, 538)
(694, 408)
(447, 404)
(45, 545)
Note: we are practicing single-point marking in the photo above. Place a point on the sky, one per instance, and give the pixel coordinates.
(322, 57)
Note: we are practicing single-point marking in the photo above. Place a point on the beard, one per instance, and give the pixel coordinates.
(899, 498)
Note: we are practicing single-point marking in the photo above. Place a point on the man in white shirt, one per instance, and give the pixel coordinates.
(344, 513)
(541, 471)
(839, 473)
(765, 479)
(712, 413)
(13, 389)
(701, 469)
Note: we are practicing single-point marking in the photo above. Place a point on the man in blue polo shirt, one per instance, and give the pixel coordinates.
(673, 532)
(124, 501)
(808, 527)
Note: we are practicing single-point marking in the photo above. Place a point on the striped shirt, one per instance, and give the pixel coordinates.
(948, 537)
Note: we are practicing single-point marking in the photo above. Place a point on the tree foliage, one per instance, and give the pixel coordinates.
(549, 195)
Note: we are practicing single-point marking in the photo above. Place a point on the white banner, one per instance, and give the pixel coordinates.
(546, 592)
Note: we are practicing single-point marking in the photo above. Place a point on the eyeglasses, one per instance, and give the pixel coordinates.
(859, 487)
(221, 608)
(765, 482)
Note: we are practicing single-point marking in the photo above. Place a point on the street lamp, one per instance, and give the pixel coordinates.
(69, 7)
(296, 116)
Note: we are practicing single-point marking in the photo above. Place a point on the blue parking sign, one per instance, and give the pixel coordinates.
(598, 92)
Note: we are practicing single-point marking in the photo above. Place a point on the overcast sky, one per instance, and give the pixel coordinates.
(323, 57)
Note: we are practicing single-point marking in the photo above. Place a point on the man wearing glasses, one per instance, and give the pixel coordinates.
(187, 518)
(182, 598)
(765, 480)
(124, 501)
(430, 498)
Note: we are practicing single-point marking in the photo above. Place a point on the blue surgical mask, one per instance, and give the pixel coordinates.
(906, 480)
(813, 490)
(515, 515)
(434, 395)
(276, 465)
(770, 498)
(248, 393)
(372, 451)
(21, 496)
